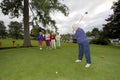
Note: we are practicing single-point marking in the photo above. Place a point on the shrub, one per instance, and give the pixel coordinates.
(100, 41)
(74, 40)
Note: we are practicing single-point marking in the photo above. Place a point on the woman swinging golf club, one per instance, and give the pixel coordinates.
(83, 44)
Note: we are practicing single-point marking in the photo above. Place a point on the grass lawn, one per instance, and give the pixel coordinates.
(8, 42)
(33, 64)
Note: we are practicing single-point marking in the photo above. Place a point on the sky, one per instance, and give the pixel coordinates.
(98, 11)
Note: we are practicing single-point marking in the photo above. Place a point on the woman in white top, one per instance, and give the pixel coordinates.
(57, 37)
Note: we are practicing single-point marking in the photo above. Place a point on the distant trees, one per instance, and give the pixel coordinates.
(97, 36)
(66, 37)
(88, 33)
(95, 32)
(3, 32)
(34, 32)
(15, 30)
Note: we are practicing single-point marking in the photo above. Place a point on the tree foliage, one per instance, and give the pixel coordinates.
(89, 33)
(66, 37)
(43, 8)
(34, 32)
(15, 29)
(12, 8)
(95, 32)
(112, 28)
(3, 32)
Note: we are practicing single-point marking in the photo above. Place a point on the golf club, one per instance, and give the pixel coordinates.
(82, 18)
(77, 23)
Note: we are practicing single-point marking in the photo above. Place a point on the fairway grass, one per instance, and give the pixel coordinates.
(34, 64)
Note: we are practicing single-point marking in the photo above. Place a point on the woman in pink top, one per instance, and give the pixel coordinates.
(47, 38)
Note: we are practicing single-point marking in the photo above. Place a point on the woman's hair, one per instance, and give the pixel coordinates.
(75, 27)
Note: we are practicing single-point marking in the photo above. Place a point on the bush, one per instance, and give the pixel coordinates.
(100, 41)
(74, 40)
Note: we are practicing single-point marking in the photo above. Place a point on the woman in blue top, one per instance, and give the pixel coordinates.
(83, 45)
(40, 40)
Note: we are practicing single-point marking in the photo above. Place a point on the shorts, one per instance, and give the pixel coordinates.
(40, 42)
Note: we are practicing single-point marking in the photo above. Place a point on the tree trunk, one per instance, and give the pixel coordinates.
(27, 42)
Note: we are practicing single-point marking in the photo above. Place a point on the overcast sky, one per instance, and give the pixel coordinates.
(98, 11)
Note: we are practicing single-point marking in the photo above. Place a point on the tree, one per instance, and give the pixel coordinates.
(42, 8)
(15, 29)
(34, 32)
(66, 37)
(3, 32)
(112, 28)
(95, 32)
(88, 33)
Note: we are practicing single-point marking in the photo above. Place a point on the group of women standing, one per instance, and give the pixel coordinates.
(52, 40)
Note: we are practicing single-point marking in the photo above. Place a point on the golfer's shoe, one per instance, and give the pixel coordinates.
(87, 65)
(78, 60)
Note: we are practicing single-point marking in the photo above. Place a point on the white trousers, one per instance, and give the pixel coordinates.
(53, 44)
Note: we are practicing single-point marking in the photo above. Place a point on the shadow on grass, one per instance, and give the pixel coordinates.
(2, 48)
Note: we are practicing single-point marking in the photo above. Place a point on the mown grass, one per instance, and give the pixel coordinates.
(34, 64)
(8, 42)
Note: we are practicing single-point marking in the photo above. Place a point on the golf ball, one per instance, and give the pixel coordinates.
(56, 72)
